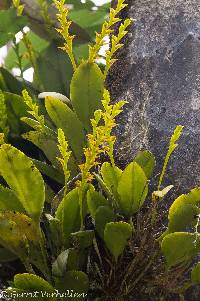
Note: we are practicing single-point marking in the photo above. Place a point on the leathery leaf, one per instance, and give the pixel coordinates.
(147, 161)
(16, 229)
(73, 281)
(9, 200)
(86, 91)
(66, 119)
(179, 247)
(132, 189)
(68, 213)
(184, 210)
(95, 200)
(116, 235)
(111, 175)
(32, 283)
(24, 179)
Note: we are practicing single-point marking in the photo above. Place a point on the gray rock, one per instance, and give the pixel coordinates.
(159, 75)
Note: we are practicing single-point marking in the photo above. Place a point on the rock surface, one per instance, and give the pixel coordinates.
(159, 75)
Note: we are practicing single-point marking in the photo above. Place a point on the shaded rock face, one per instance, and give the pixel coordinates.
(159, 75)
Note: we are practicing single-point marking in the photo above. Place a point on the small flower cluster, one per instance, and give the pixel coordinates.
(106, 30)
(100, 140)
(19, 7)
(64, 30)
(65, 155)
(34, 109)
(115, 45)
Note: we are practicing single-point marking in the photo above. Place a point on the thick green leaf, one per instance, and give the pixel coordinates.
(94, 201)
(183, 211)
(15, 110)
(16, 231)
(23, 178)
(54, 234)
(180, 247)
(9, 200)
(10, 24)
(46, 143)
(116, 236)
(86, 91)
(69, 214)
(195, 274)
(82, 239)
(147, 161)
(66, 119)
(103, 215)
(25, 224)
(14, 85)
(67, 260)
(49, 171)
(11, 238)
(36, 125)
(31, 283)
(132, 189)
(111, 176)
(75, 281)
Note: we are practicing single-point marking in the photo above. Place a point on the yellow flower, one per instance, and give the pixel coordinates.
(101, 139)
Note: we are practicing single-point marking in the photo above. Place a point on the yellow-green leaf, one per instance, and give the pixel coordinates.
(183, 211)
(17, 231)
(68, 213)
(103, 215)
(116, 235)
(86, 91)
(32, 283)
(147, 161)
(24, 179)
(75, 281)
(66, 119)
(180, 247)
(9, 200)
(94, 201)
(111, 175)
(132, 189)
